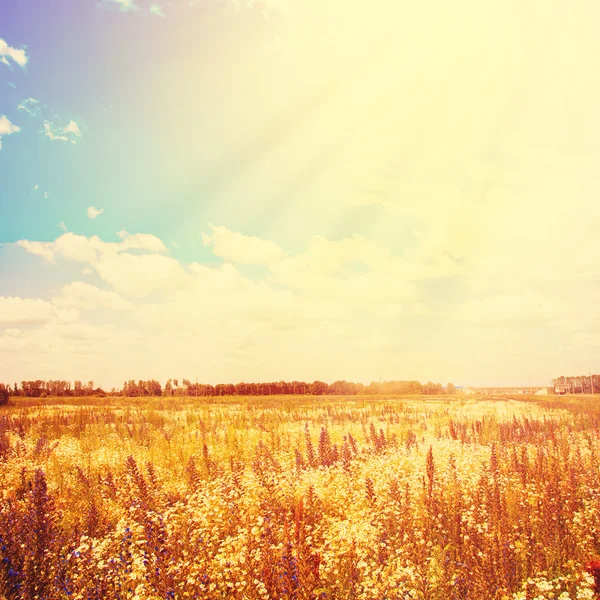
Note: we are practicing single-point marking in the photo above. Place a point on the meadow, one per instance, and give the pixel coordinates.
(299, 497)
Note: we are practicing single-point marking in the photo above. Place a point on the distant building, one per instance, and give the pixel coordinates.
(508, 391)
(562, 388)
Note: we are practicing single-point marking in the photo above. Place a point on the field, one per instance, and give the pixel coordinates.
(300, 497)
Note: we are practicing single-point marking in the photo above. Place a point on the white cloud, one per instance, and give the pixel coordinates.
(156, 10)
(62, 226)
(15, 54)
(62, 134)
(35, 187)
(242, 249)
(368, 307)
(357, 268)
(43, 249)
(46, 195)
(35, 109)
(141, 241)
(369, 198)
(140, 275)
(92, 212)
(50, 133)
(73, 128)
(84, 296)
(90, 250)
(122, 5)
(6, 127)
(31, 106)
(16, 311)
(79, 248)
(515, 309)
(26, 311)
(133, 275)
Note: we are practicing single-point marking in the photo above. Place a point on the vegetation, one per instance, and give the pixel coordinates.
(131, 388)
(584, 384)
(299, 497)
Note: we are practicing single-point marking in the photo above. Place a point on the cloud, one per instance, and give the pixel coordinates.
(358, 266)
(369, 198)
(79, 248)
(140, 275)
(62, 134)
(46, 195)
(15, 54)
(31, 106)
(242, 249)
(43, 249)
(84, 296)
(156, 10)
(73, 128)
(369, 307)
(82, 249)
(17, 311)
(131, 274)
(142, 241)
(516, 309)
(50, 133)
(7, 128)
(62, 226)
(92, 212)
(36, 110)
(122, 5)
(20, 311)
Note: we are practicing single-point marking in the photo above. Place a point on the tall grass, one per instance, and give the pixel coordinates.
(304, 498)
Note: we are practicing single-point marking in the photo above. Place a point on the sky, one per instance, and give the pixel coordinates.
(239, 190)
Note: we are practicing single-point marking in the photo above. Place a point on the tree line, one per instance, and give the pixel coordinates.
(579, 384)
(184, 387)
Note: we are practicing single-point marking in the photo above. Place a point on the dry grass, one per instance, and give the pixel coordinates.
(299, 497)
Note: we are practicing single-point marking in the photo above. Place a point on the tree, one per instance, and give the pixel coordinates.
(154, 388)
(130, 388)
(4, 394)
(318, 388)
(450, 389)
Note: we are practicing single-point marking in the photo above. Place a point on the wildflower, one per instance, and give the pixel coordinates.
(593, 567)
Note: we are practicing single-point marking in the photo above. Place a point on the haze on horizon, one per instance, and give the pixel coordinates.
(258, 191)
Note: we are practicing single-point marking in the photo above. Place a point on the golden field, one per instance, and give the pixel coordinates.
(299, 497)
